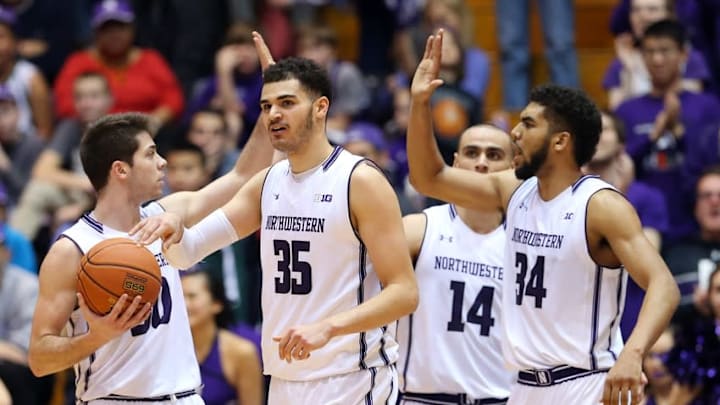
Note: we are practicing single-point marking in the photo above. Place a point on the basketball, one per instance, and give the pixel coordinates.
(115, 267)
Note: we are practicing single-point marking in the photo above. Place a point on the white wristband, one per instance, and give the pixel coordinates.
(210, 234)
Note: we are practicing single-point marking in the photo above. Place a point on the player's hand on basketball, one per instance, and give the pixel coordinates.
(297, 342)
(125, 314)
(263, 51)
(426, 80)
(167, 226)
(625, 383)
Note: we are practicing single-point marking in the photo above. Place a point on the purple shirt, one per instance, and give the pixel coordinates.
(650, 206)
(666, 164)
(696, 68)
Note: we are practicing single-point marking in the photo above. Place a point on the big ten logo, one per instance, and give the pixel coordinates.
(323, 198)
(134, 285)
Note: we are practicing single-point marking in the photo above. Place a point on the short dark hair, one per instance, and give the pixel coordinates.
(182, 144)
(571, 110)
(667, 28)
(313, 78)
(212, 111)
(618, 124)
(111, 138)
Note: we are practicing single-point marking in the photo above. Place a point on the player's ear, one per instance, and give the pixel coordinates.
(561, 141)
(322, 105)
(119, 168)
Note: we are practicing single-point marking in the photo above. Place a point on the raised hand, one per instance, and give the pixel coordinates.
(426, 80)
(263, 51)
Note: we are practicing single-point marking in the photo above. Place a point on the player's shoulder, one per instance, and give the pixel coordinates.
(609, 207)
(63, 254)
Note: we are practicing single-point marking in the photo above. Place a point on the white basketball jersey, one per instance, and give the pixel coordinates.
(314, 265)
(561, 308)
(153, 359)
(451, 344)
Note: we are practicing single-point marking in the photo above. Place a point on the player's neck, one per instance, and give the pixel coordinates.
(310, 155)
(116, 212)
(553, 181)
(482, 222)
(203, 339)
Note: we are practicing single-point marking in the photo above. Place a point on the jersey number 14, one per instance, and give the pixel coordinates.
(480, 312)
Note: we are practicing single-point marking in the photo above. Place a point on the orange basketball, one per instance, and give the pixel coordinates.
(115, 267)
(450, 118)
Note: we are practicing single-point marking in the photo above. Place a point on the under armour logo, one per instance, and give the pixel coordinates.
(277, 196)
(569, 216)
(523, 206)
(448, 238)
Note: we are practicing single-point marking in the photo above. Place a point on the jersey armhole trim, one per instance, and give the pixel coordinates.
(587, 242)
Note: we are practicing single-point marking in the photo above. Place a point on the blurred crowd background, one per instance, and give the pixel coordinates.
(653, 66)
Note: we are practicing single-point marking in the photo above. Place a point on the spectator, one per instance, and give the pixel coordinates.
(59, 186)
(513, 34)
(25, 82)
(455, 15)
(350, 94)
(18, 150)
(666, 124)
(209, 131)
(694, 359)
(627, 76)
(18, 293)
(235, 88)
(48, 31)
(692, 260)
(21, 250)
(238, 264)
(140, 79)
(229, 364)
(662, 388)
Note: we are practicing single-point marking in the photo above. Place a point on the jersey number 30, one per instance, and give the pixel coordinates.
(289, 262)
(480, 312)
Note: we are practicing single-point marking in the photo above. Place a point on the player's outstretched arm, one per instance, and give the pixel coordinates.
(612, 218)
(51, 352)
(428, 172)
(235, 220)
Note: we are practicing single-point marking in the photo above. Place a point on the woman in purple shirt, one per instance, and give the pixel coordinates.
(229, 365)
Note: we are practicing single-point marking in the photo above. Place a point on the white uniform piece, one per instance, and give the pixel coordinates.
(154, 359)
(565, 311)
(451, 344)
(315, 265)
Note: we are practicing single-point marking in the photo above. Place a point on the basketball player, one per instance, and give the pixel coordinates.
(458, 256)
(143, 353)
(570, 239)
(335, 265)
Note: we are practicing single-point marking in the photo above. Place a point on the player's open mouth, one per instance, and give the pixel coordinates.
(278, 128)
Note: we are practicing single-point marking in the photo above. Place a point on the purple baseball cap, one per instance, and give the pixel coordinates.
(112, 10)
(366, 132)
(6, 94)
(7, 16)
